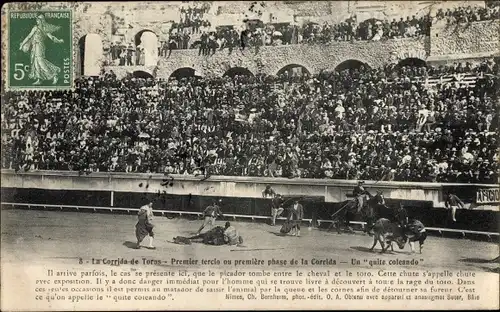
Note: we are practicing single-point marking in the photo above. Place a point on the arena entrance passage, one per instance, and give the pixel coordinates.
(412, 62)
(313, 206)
(293, 70)
(142, 74)
(238, 71)
(184, 72)
(351, 64)
(91, 55)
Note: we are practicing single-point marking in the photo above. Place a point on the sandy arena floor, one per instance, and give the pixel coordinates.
(33, 241)
(61, 236)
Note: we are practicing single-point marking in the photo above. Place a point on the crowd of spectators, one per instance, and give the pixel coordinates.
(192, 22)
(193, 31)
(371, 29)
(284, 34)
(349, 30)
(192, 17)
(123, 54)
(356, 124)
(469, 14)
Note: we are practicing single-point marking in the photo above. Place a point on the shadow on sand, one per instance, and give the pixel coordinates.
(131, 245)
(479, 260)
(377, 250)
(491, 270)
(327, 230)
(365, 249)
(278, 233)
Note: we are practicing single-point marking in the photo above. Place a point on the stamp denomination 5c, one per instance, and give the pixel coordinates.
(40, 50)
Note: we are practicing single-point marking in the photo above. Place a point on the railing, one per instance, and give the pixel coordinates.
(234, 216)
(142, 177)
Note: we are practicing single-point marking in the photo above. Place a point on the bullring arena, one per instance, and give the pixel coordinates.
(252, 107)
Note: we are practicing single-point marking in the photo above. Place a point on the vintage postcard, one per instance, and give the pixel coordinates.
(250, 155)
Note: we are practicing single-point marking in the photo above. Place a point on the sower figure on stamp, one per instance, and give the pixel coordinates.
(453, 201)
(210, 214)
(41, 68)
(144, 226)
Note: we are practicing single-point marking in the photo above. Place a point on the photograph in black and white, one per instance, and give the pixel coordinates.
(217, 136)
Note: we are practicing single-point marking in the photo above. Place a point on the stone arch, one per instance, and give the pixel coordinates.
(351, 64)
(418, 54)
(292, 69)
(142, 74)
(412, 61)
(184, 72)
(238, 71)
(90, 54)
(146, 43)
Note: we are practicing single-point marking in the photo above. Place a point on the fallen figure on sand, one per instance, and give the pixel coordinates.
(226, 235)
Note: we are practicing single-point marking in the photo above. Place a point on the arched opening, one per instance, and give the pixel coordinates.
(91, 55)
(238, 71)
(142, 74)
(351, 64)
(413, 62)
(146, 43)
(293, 70)
(184, 72)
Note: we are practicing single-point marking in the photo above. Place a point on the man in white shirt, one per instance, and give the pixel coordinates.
(423, 113)
(231, 236)
(339, 110)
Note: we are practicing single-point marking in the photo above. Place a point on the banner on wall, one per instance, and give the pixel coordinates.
(473, 194)
(488, 196)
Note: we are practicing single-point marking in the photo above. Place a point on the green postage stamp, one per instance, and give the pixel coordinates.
(40, 52)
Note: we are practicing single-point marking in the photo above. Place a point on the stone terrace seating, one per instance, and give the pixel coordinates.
(346, 125)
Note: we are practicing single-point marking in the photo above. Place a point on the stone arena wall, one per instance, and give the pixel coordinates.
(332, 191)
(270, 60)
(465, 40)
(241, 195)
(455, 42)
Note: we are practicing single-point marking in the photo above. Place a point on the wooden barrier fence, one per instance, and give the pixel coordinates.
(234, 216)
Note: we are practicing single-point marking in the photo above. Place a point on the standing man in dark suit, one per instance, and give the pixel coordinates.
(210, 214)
(296, 215)
(401, 216)
(276, 207)
(453, 201)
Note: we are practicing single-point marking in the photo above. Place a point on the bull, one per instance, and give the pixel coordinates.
(387, 232)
